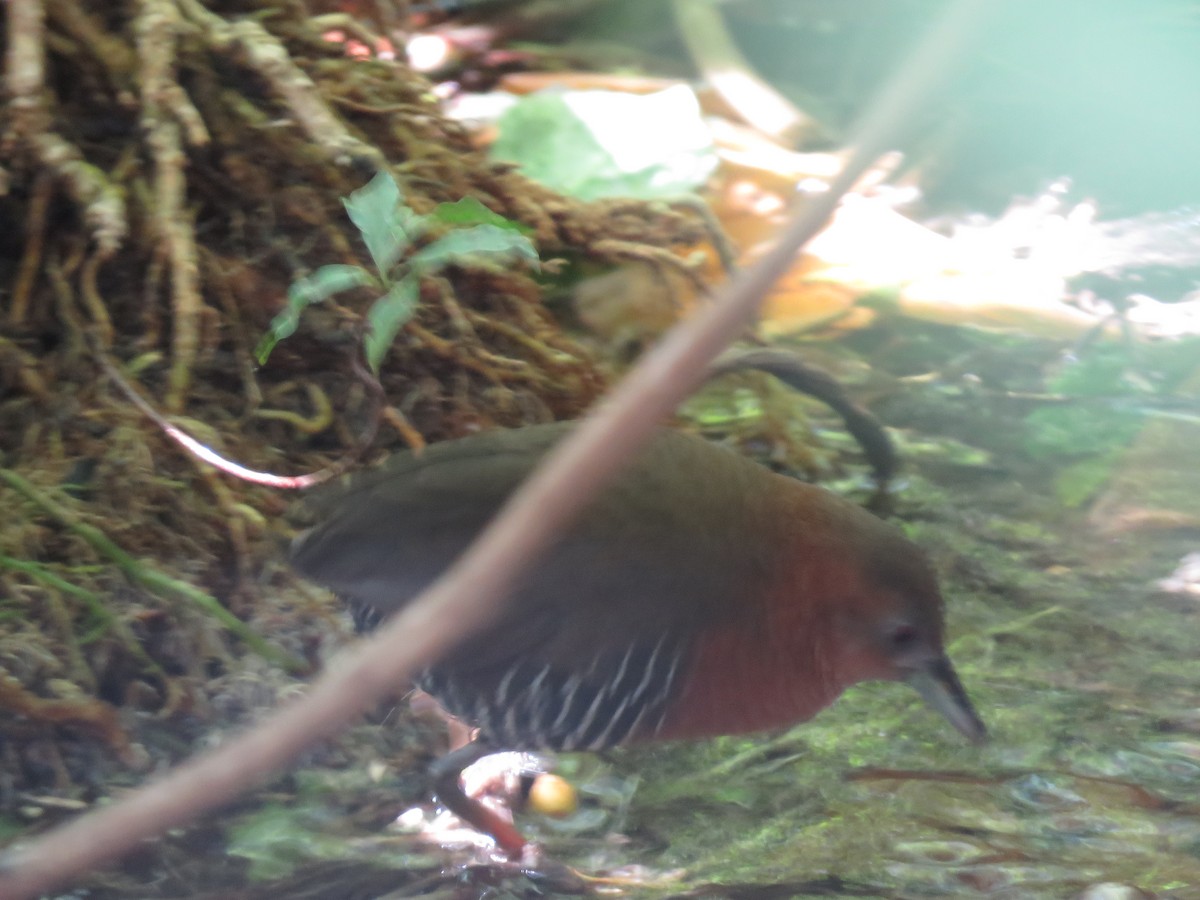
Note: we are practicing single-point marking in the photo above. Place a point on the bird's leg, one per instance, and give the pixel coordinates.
(447, 785)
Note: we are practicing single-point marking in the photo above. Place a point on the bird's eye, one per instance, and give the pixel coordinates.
(903, 637)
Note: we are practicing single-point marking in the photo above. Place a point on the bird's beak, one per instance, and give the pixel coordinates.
(938, 684)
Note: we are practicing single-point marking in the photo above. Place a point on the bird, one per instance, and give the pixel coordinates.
(699, 594)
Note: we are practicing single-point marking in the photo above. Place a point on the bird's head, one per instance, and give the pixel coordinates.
(887, 637)
(888, 625)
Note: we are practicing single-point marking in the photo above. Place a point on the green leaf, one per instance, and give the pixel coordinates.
(385, 224)
(315, 288)
(482, 245)
(593, 144)
(469, 211)
(325, 282)
(387, 317)
(282, 326)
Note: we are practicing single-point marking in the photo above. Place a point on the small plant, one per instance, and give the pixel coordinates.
(465, 233)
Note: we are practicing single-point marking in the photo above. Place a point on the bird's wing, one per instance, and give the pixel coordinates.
(668, 548)
(382, 535)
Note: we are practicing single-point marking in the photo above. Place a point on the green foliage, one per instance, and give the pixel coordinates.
(465, 234)
(479, 246)
(276, 840)
(469, 211)
(1076, 429)
(1086, 436)
(593, 144)
(386, 225)
(320, 285)
(388, 316)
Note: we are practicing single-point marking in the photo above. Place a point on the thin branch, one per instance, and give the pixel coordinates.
(466, 597)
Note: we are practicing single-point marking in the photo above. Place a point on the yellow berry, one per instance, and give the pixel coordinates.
(553, 795)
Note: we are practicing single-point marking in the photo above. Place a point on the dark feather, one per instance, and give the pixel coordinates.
(384, 535)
